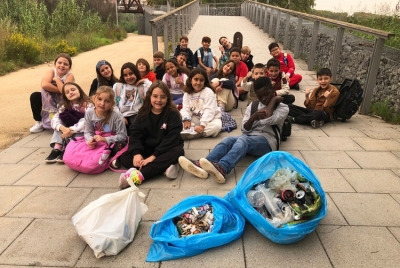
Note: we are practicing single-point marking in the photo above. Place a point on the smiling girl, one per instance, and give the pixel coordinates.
(224, 84)
(199, 109)
(130, 92)
(69, 120)
(44, 104)
(175, 79)
(102, 122)
(155, 144)
(105, 76)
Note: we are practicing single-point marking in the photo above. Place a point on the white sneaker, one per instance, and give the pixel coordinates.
(172, 171)
(38, 127)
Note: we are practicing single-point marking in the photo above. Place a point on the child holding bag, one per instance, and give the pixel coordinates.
(199, 109)
(130, 92)
(69, 120)
(155, 144)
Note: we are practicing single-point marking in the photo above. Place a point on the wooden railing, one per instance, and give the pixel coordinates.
(254, 11)
(180, 20)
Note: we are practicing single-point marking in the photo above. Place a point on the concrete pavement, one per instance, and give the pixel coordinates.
(358, 163)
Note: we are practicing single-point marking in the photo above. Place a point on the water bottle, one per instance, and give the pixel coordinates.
(270, 202)
(255, 198)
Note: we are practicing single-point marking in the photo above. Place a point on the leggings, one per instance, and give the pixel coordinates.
(36, 105)
(158, 165)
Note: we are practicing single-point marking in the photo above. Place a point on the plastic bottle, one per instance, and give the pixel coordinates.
(270, 202)
(255, 198)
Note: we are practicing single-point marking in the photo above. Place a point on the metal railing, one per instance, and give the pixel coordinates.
(176, 23)
(255, 11)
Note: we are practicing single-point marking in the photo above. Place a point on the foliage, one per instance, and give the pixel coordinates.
(342, 16)
(33, 31)
(21, 48)
(128, 22)
(63, 47)
(387, 113)
(298, 5)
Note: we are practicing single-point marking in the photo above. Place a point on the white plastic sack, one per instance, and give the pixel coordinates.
(109, 223)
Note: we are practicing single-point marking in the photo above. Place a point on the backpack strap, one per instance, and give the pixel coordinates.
(168, 80)
(285, 60)
(118, 93)
(254, 107)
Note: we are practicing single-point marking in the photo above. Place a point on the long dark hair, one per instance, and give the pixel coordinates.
(102, 80)
(134, 70)
(180, 69)
(220, 73)
(146, 107)
(82, 100)
(189, 88)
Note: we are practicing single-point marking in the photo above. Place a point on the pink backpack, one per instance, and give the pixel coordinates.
(79, 157)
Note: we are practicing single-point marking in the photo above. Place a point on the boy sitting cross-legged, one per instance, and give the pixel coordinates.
(258, 136)
(318, 102)
(287, 65)
(205, 56)
(280, 81)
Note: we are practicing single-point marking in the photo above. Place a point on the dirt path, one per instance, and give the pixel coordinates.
(15, 111)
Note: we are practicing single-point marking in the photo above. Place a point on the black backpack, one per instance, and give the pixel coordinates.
(350, 98)
(196, 59)
(279, 135)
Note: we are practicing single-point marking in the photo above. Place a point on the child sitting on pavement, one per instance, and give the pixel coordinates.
(279, 80)
(241, 71)
(248, 81)
(159, 61)
(258, 136)
(287, 65)
(205, 56)
(183, 47)
(247, 58)
(319, 102)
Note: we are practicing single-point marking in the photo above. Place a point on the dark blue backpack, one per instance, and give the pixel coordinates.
(350, 98)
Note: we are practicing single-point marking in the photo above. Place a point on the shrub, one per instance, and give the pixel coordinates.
(22, 48)
(63, 47)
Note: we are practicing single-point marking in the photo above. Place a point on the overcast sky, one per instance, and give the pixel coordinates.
(351, 6)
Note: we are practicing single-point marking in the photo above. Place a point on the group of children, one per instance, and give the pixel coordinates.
(183, 98)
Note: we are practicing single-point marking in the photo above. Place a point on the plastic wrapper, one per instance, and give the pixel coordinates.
(260, 171)
(167, 244)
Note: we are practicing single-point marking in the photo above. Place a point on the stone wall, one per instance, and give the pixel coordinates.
(354, 60)
(212, 10)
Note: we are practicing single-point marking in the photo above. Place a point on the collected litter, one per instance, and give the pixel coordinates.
(194, 225)
(109, 223)
(281, 197)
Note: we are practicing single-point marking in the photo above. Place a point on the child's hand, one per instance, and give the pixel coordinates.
(261, 114)
(221, 48)
(147, 160)
(137, 160)
(273, 83)
(125, 121)
(178, 80)
(91, 143)
(218, 88)
(66, 132)
(307, 91)
(209, 71)
(249, 74)
(327, 93)
(199, 129)
(187, 124)
(99, 138)
(140, 82)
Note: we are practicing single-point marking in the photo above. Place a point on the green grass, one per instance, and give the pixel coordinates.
(387, 113)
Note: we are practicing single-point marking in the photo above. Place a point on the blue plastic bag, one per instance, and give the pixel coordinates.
(167, 245)
(261, 170)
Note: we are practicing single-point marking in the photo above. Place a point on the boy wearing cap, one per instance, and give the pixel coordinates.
(258, 136)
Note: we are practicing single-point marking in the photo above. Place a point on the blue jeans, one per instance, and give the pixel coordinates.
(177, 98)
(232, 149)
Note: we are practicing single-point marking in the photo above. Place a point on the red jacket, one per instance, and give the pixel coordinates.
(287, 65)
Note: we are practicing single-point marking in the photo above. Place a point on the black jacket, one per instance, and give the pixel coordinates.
(190, 57)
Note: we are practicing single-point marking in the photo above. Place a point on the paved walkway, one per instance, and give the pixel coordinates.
(358, 163)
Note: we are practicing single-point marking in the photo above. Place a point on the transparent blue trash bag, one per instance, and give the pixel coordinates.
(167, 245)
(261, 170)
